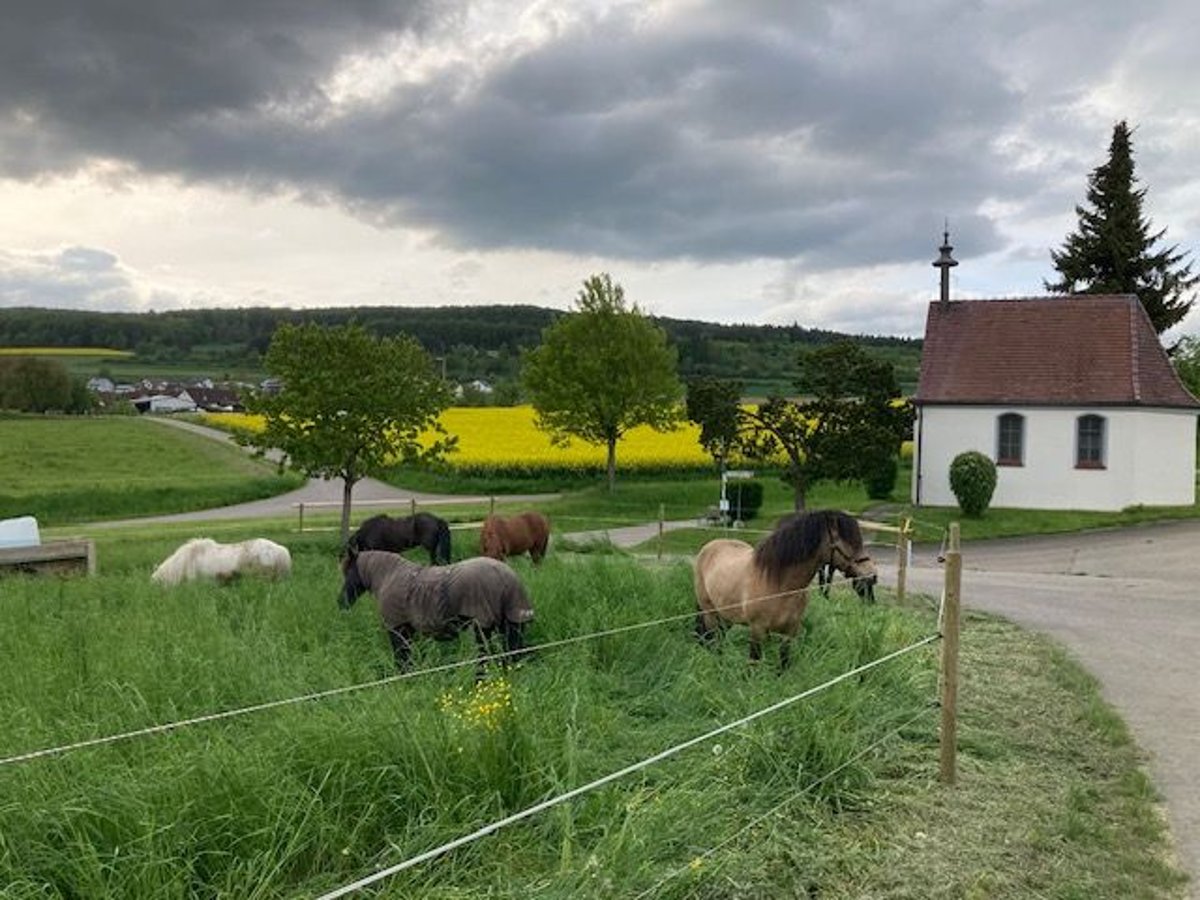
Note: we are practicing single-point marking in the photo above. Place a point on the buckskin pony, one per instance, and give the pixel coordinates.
(766, 587)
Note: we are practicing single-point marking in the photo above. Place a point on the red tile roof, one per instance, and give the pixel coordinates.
(1077, 350)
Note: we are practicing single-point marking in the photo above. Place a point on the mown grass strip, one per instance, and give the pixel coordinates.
(100, 352)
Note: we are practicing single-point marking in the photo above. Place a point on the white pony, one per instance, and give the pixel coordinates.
(205, 558)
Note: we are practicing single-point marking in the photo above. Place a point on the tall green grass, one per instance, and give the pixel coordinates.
(304, 798)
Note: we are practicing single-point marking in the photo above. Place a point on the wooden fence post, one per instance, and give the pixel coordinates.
(902, 544)
(301, 505)
(412, 506)
(661, 514)
(949, 680)
(491, 506)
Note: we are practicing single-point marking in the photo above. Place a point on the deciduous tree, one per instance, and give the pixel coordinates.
(602, 370)
(1112, 251)
(713, 404)
(1186, 359)
(351, 404)
(36, 384)
(845, 421)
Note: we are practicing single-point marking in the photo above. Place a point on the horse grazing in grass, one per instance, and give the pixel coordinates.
(825, 581)
(424, 529)
(766, 587)
(205, 558)
(505, 536)
(440, 601)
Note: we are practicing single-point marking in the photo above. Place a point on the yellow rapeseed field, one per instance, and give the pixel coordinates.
(505, 439)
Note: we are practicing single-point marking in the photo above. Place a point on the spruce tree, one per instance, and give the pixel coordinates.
(1112, 251)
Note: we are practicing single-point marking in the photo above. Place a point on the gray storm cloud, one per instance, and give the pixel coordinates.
(830, 136)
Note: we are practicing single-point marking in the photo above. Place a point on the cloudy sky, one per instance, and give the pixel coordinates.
(729, 160)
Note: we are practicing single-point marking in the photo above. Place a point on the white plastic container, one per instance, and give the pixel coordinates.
(19, 532)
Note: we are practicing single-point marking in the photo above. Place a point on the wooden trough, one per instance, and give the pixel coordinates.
(68, 557)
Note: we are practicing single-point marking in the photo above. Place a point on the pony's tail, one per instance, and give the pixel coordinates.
(441, 551)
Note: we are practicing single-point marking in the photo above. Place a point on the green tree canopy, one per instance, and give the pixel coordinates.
(1112, 251)
(602, 370)
(713, 404)
(350, 405)
(1186, 359)
(37, 384)
(845, 422)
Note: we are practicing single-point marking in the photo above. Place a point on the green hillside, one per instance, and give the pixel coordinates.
(476, 342)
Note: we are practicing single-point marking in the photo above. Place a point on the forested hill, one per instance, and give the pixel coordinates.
(476, 341)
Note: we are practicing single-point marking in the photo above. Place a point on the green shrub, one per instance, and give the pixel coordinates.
(973, 480)
(880, 479)
(745, 499)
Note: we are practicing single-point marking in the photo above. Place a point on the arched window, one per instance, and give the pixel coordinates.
(1010, 440)
(1089, 442)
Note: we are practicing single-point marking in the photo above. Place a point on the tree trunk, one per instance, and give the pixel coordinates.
(799, 485)
(612, 464)
(347, 490)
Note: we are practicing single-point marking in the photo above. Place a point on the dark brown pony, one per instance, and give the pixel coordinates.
(502, 537)
(382, 532)
(766, 587)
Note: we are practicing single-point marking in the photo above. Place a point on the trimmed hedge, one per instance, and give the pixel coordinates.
(973, 481)
(745, 499)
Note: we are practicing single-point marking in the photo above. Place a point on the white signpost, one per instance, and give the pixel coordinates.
(727, 476)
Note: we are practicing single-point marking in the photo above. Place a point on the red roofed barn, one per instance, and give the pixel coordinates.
(1073, 397)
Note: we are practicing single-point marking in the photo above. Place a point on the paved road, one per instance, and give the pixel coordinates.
(1126, 603)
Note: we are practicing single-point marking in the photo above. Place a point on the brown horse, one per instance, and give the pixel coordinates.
(766, 587)
(502, 537)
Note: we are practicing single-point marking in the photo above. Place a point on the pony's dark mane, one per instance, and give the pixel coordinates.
(799, 536)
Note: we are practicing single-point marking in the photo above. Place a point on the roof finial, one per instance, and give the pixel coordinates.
(945, 262)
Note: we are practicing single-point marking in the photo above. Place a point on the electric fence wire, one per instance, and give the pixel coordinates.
(495, 826)
(347, 689)
(787, 801)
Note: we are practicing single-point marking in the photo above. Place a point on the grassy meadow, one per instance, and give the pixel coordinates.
(304, 798)
(91, 354)
(833, 797)
(124, 365)
(82, 468)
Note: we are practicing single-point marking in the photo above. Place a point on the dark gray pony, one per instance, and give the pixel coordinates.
(440, 601)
